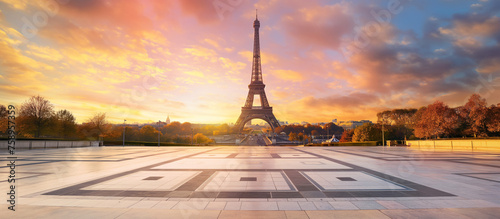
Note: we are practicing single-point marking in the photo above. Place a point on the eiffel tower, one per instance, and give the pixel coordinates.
(256, 87)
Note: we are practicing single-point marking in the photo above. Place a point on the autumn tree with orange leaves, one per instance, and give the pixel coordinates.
(435, 120)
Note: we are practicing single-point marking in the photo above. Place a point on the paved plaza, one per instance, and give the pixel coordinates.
(254, 182)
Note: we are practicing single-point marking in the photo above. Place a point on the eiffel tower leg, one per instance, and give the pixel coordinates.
(240, 122)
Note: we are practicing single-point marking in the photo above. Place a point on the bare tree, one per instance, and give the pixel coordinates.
(99, 124)
(36, 113)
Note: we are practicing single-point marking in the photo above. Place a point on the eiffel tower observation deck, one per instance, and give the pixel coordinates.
(256, 87)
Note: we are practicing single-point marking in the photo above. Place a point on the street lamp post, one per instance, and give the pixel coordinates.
(158, 133)
(124, 127)
(383, 137)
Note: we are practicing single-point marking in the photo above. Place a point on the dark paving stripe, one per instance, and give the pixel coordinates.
(300, 182)
(477, 177)
(204, 195)
(286, 195)
(233, 155)
(275, 155)
(313, 194)
(180, 194)
(244, 195)
(196, 181)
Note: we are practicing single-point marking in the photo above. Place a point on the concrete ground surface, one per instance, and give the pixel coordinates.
(252, 182)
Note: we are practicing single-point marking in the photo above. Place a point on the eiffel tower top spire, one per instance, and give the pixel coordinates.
(256, 66)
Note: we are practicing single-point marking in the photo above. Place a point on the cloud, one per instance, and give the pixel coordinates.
(288, 75)
(99, 52)
(16, 4)
(349, 101)
(45, 52)
(319, 26)
(203, 11)
(195, 73)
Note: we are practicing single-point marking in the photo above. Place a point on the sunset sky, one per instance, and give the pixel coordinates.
(191, 59)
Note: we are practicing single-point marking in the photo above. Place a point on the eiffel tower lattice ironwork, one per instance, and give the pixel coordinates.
(256, 87)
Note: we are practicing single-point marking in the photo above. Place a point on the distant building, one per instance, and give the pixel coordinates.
(351, 124)
(283, 122)
(168, 119)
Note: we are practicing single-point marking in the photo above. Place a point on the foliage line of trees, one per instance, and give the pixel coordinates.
(437, 120)
(37, 118)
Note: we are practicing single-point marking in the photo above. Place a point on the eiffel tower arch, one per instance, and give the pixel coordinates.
(256, 87)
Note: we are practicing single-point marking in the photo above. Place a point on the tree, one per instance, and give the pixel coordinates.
(36, 113)
(436, 119)
(347, 136)
(172, 128)
(314, 133)
(292, 136)
(300, 136)
(366, 132)
(400, 121)
(200, 138)
(332, 129)
(3, 119)
(115, 133)
(95, 127)
(148, 133)
(420, 124)
(66, 125)
(186, 128)
(494, 118)
(476, 112)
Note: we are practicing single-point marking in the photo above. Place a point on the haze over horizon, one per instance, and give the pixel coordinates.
(191, 59)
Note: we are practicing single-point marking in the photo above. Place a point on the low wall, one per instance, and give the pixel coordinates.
(480, 144)
(40, 144)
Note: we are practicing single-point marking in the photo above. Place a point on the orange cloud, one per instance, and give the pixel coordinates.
(288, 75)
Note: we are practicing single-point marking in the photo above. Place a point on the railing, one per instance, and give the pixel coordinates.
(41, 144)
(465, 144)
